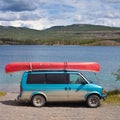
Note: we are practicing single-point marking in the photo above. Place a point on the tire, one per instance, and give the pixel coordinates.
(93, 101)
(38, 101)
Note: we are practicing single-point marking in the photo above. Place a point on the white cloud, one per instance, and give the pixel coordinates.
(33, 24)
(41, 14)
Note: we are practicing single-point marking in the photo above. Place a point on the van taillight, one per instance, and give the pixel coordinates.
(20, 89)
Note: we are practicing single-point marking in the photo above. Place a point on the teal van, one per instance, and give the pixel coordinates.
(40, 87)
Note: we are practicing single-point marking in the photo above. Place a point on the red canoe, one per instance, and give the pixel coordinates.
(23, 66)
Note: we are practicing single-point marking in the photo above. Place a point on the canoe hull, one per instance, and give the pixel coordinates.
(27, 66)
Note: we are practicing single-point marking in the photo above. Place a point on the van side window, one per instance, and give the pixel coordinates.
(36, 79)
(56, 79)
(76, 79)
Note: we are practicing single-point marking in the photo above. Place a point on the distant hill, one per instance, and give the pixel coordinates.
(77, 34)
(82, 27)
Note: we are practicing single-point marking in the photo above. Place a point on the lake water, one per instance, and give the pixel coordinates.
(108, 57)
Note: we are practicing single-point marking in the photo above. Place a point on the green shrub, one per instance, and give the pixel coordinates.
(113, 97)
(113, 92)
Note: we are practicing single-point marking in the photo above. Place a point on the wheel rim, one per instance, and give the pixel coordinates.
(94, 101)
(38, 101)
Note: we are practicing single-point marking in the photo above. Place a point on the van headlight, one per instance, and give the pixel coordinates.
(103, 91)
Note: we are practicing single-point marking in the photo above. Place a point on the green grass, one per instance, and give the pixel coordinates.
(113, 97)
(2, 93)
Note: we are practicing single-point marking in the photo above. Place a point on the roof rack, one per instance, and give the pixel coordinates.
(51, 70)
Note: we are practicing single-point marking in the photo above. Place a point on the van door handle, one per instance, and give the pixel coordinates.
(66, 88)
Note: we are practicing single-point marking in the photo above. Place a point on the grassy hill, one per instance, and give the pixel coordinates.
(78, 34)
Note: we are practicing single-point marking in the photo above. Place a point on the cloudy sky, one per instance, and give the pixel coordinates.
(41, 14)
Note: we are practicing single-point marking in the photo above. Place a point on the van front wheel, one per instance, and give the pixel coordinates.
(93, 101)
(38, 101)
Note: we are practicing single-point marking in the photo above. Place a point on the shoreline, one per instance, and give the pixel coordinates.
(95, 43)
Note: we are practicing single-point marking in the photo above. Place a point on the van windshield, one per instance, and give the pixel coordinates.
(91, 77)
(77, 79)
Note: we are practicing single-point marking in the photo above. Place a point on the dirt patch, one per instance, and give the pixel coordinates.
(10, 109)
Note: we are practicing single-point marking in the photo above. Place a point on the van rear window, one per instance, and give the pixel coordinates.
(36, 79)
(56, 79)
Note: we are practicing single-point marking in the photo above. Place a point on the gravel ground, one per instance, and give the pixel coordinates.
(12, 110)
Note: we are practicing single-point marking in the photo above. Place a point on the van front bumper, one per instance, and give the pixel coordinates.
(104, 96)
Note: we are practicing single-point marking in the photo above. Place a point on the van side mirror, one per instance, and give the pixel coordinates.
(83, 82)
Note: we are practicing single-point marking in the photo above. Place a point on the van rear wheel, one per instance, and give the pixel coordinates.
(93, 101)
(38, 101)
